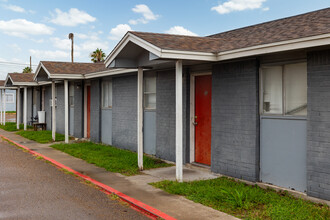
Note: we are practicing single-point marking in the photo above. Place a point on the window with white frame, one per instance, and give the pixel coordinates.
(9, 98)
(107, 94)
(71, 94)
(150, 91)
(284, 89)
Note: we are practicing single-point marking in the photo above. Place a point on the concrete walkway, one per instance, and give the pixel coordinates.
(137, 186)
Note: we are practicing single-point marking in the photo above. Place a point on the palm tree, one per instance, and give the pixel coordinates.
(97, 55)
(27, 70)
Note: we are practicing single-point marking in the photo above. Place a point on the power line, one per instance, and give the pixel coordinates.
(12, 63)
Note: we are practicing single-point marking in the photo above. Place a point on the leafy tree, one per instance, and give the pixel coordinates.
(97, 56)
(27, 70)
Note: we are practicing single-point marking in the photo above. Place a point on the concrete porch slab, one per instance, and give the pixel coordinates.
(189, 173)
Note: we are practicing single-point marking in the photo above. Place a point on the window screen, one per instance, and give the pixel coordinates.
(285, 89)
(150, 92)
(71, 95)
(9, 98)
(107, 94)
(272, 90)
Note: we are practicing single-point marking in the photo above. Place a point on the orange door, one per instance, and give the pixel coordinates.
(88, 111)
(203, 95)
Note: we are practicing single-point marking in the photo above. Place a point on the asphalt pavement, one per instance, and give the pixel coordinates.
(30, 188)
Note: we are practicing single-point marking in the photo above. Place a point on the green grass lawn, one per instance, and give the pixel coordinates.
(42, 137)
(111, 158)
(11, 126)
(10, 111)
(245, 201)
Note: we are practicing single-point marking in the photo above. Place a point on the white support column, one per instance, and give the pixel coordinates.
(178, 121)
(1, 107)
(18, 106)
(25, 108)
(4, 106)
(66, 110)
(53, 112)
(140, 117)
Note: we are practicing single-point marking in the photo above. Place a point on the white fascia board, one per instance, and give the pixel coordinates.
(66, 76)
(38, 70)
(25, 84)
(109, 72)
(41, 83)
(136, 40)
(188, 55)
(320, 40)
(8, 78)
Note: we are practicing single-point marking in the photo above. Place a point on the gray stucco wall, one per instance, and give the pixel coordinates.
(318, 124)
(124, 112)
(165, 115)
(95, 129)
(235, 120)
(78, 110)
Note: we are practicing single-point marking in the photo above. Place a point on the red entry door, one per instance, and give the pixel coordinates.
(88, 111)
(203, 95)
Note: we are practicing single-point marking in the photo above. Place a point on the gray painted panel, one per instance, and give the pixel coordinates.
(149, 132)
(60, 123)
(283, 153)
(95, 111)
(48, 110)
(71, 124)
(78, 110)
(106, 128)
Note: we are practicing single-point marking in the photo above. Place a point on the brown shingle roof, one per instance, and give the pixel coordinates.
(22, 77)
(72, 68)
(180, 42)
(300, 26)
(2, 82)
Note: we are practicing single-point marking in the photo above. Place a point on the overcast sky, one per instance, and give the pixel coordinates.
(40, 28)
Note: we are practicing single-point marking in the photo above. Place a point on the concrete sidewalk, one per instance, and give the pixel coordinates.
(137, 186)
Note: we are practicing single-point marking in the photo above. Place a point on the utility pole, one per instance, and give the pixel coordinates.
(71, 37)
(30, 63)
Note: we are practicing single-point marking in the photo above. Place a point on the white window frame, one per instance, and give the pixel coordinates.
(146, 77)
(261, 89)
(12, 95)
(71, 94)
(110, 94)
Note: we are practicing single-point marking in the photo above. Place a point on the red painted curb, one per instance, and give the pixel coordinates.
(140, 206)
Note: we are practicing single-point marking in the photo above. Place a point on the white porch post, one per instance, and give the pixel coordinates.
(66, 110)
(25, 108)
(1, 107)
(53, 111)
(140, 117)
(4, 106)
(18, 106)
(178, 120)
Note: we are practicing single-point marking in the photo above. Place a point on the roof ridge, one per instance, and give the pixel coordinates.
(267, 22)
(178, 35)
(70, 62)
